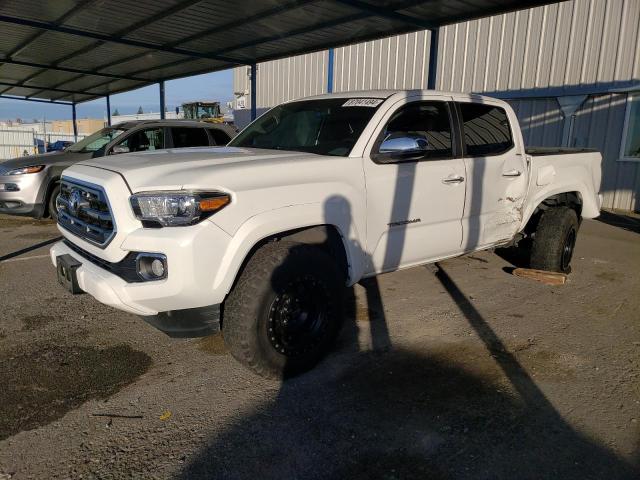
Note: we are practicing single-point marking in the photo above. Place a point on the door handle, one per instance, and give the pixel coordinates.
(512, 173)
(453, 180)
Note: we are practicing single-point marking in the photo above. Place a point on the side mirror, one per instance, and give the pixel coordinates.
(404, 144)
(401, 148)
(119, 149)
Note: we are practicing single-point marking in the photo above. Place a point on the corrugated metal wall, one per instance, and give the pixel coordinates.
(579, 43)
(394, 62)
(286, 79)
(598, 124)
(541, 121)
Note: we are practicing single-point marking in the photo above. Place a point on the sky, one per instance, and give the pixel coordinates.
(211, 86)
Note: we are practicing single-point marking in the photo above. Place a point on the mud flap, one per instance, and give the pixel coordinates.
(187, 323)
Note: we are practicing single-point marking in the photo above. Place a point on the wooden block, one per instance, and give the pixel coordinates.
(542, 276)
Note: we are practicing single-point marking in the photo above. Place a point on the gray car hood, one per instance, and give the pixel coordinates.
(51, 158)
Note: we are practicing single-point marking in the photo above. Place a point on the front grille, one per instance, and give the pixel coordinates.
(83, 209)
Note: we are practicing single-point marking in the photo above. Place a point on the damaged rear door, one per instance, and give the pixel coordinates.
(497, 172)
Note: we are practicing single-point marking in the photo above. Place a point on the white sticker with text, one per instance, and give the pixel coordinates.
(363, 102)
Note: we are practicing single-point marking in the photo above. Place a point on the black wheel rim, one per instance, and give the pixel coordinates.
(567, 248)
(299, 317)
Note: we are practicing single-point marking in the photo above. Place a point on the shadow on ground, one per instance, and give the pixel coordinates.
(465, 410)
(31, 248)
(626, 222)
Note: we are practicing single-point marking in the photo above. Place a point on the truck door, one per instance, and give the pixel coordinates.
(415, 182)
(496, 173)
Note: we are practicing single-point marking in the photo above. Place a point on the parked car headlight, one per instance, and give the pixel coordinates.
(174, 209)
(24, 170)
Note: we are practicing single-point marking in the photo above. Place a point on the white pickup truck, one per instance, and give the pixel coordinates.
(260, 237)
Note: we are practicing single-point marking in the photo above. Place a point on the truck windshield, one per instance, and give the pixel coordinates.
(96, 141)
(325, 127)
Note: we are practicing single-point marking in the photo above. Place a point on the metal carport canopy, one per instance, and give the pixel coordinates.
(76, 51)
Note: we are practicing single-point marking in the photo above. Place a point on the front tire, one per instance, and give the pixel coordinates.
(51, 203)
(554, 240)
(286, 309)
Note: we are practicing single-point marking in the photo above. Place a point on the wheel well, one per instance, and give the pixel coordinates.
(326, 237)
(572, 200)
(52, 183)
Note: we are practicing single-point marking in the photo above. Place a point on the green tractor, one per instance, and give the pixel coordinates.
(205, 111)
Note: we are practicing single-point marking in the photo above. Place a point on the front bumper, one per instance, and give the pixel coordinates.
(177, 304)
(26, 200)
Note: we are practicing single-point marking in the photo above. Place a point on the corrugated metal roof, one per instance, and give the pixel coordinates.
(75, 51)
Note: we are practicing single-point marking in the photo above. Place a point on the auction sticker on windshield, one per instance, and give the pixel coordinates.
(363, 102)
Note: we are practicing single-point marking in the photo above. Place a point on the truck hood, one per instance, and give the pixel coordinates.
(192, 167)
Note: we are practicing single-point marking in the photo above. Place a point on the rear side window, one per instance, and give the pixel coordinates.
(143, 140)
(486, 129)
(189, 137)
(219, 136)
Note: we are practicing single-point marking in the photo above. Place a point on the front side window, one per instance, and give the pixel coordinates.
(324, 127)
(486, 129)
(189, 137)
(418, 131)
(631, 139)
(96, 141)
(143, 140)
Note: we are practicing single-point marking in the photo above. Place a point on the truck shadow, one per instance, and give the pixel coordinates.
(405, 414)
(401, 413)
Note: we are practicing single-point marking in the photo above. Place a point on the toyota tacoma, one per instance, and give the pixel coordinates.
(261, 237)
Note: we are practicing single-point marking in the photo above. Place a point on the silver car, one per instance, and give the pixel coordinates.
(29, 185)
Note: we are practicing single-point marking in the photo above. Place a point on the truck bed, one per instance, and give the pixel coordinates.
(541, 151)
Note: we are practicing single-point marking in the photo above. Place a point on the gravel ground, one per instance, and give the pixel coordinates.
(461, 372)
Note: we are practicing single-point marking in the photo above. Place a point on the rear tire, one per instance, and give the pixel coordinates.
(51, 203)
(554, 240)
(286, 309)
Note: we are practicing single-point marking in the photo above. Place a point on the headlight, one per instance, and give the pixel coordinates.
(23, 170)
(173, 209)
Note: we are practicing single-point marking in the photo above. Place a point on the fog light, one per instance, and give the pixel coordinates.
(9, 187)
(151, 266)
(157, 267)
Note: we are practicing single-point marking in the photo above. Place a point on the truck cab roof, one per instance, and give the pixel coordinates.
(388, 93)
(165, 123)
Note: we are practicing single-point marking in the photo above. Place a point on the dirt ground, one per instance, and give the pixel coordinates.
(464, 372)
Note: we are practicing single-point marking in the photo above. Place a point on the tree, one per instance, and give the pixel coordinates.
(116, 113)
(140, 112)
